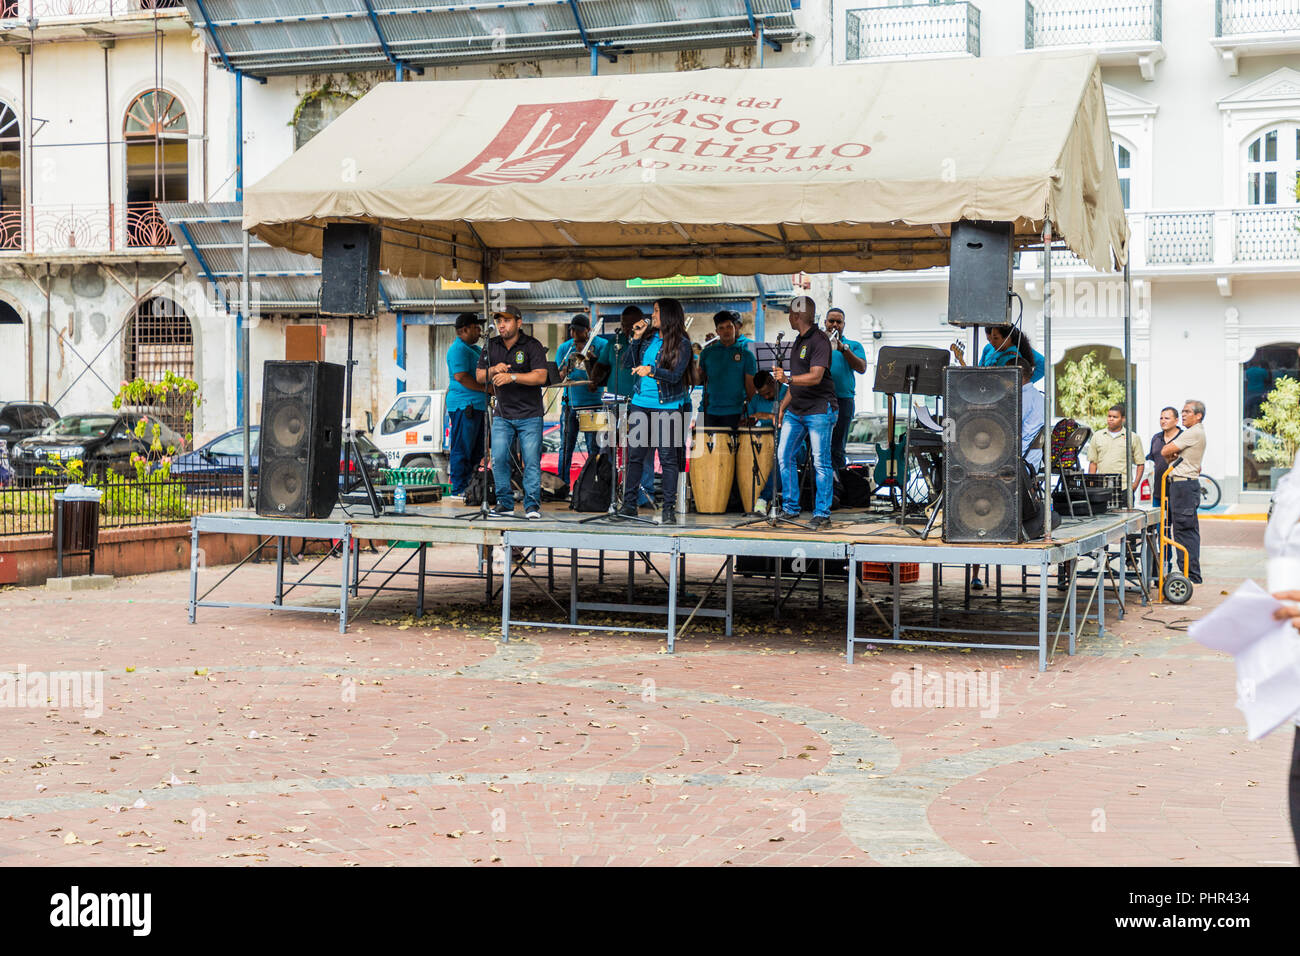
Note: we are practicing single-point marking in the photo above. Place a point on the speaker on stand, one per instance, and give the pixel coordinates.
(349, 288)
(982, 456)
(300, 440)
(979, 273)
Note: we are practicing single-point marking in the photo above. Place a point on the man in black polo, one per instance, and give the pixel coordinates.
(809, 409)
(513, 365)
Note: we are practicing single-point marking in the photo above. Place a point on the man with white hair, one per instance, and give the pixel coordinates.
(1185, 484)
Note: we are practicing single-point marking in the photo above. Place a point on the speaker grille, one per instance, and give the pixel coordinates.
(302, 417)
(982, 456)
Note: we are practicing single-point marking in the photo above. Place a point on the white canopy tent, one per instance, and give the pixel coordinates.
(715, 171)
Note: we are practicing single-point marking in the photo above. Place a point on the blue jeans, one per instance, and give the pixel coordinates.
(465, 447)
(569, 440)
(528, 431)
(818, 429)
(840, 437)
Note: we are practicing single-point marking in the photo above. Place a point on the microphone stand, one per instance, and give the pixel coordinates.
(775, 514)
(618, 482)
(489, 391)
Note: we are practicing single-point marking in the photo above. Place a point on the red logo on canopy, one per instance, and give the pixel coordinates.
(535, 142)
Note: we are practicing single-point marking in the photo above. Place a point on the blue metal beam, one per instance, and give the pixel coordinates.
(590, 44)
(212, 32)
(757, 29)
(241, 339)
(760, 310)
(582, 294)
(383, 42)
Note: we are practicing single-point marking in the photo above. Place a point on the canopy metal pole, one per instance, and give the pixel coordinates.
(245, 346)
(1049, 382)
(1130, 404)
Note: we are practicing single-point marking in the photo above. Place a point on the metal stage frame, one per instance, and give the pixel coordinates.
(856, 537)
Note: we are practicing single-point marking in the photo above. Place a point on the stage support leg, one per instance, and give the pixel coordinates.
(853, 603)
(419, 592)
(505, 587)
(573, 586)
(1074, 609)
(631, 573)
(731, 560)
(343, 588)
(550, 569)
(1144, 571)
(600, 567)
(354, 549)
(194, 570)
(1123, 573)
(895, 573)
(672, 598)
(1100, 560)
(279, 569)
(776, 589)
(934, 592)
(487, 561)
(821, 584)
(1042, 614)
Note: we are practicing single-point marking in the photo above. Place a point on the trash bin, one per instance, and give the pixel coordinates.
(76, 523)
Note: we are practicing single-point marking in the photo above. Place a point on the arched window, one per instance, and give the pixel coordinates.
(11, 179)
(316, 113)
(1124, 164)
(157, 164)
(159, 339)
(1259, 376)
(1273, 166)
(1089, 379)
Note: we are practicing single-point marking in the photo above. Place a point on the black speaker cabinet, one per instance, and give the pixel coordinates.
(349, 281)
(981, 461)
(979, 273)
(301, 438)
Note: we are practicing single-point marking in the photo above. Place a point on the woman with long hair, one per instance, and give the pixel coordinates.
(662, 361)
(1006, 345)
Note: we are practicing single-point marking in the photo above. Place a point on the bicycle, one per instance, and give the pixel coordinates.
(1211, 493)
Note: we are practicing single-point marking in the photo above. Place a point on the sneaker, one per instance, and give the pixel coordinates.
(627, 511)
(532, 514)
(499, 511)
(760, 506)
(790, 515)
(819, 523)
(976, 584)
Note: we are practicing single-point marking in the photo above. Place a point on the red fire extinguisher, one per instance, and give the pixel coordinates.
(1144, 491)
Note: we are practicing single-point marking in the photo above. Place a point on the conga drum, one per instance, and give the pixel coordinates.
(756, 444)
(713, 469)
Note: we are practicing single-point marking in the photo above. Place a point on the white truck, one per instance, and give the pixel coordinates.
(412, 433)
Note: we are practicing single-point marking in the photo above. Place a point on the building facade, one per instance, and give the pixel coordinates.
(111, 110)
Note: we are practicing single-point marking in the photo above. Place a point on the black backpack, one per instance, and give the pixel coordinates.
(591, 492)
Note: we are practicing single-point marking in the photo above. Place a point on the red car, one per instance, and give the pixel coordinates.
(551, 453)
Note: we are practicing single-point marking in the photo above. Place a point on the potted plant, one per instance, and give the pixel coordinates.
(1278, 425)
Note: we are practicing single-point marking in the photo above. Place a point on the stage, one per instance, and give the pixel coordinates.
(793, 555)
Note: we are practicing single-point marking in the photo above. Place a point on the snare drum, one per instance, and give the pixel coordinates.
(592, 419)
(756, 444)
(713, 469)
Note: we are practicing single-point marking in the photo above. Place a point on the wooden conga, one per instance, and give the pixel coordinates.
(713, 469)
(757, 443)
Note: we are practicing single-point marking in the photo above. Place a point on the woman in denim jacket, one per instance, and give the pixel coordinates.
(662, 361)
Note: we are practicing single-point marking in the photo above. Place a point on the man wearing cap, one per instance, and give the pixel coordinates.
(848, 359)
(577, 397)
(809, 409)
(726, 371)
(466, 402)
(513, 366)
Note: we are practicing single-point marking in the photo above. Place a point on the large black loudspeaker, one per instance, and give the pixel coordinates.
(302, 427)
(981, 460)
(349, 282)
(979, 273)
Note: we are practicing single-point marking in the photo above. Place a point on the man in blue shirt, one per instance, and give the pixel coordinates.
(569, 357)
(848, 359)
(726, 371)
(466, 402)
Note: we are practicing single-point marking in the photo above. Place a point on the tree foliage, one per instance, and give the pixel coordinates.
(1279, 424)
(1085, 390)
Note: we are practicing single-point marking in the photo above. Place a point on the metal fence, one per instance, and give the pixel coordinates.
(1082, 22)
(127, 502)
(911, 30)
(1238, 17)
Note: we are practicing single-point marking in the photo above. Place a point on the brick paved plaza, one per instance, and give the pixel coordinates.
(253, 739)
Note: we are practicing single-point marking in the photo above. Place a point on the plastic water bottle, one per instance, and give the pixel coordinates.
(399, 500)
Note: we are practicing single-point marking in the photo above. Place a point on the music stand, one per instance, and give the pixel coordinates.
(918, 371)
(352, 452)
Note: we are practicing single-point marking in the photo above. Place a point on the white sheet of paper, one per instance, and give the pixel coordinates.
(923, 416)
(1267, 653)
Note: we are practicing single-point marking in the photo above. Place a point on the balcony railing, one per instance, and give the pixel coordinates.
(1051, 23)
(82, 228)
(1243, 17)
(1266, 234)
(80, 9)
(1180, 238)
(912, 31)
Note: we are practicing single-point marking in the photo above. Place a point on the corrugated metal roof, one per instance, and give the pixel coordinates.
(211, 240)
(264, 37)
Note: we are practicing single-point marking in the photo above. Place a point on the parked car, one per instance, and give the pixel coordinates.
(104, 441)
(19, 420)
(551, 439)
(224, 455)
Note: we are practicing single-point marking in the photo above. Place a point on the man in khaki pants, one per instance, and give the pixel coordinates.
(1106, 451)
(1185, 484)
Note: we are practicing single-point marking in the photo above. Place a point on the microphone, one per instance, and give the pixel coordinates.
(779, 337)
